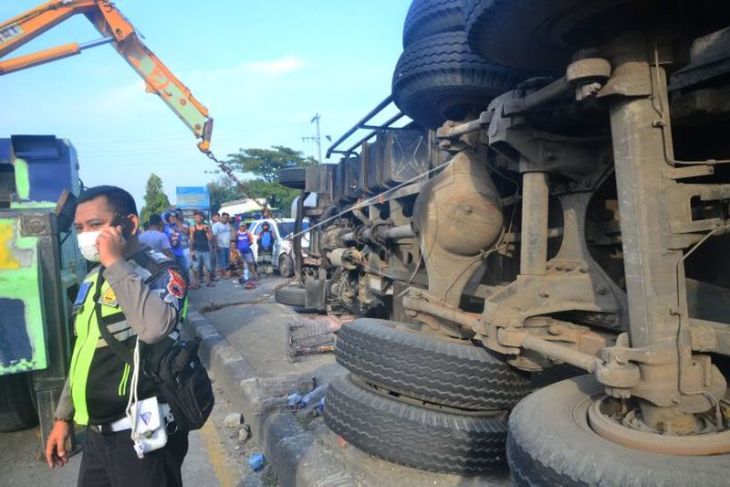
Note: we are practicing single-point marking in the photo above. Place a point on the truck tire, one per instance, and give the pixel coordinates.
(428, 368)
(413, 436)
(291, 295)
(551, 443)
(17, 410)
(439, 78)
(293, 177)
(544, 34)
(428, 17)
(285, 266)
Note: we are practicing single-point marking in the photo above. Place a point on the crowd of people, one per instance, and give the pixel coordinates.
(209, 252)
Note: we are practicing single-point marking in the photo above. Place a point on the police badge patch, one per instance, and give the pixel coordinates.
(176, 286)
(108, 298)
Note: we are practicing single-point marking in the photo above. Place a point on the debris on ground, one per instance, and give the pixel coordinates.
(277, 394)
(233, 420)
(244, 434)
(312, 335)
(256, 461)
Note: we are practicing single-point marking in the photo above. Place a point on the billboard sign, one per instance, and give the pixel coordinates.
(193, 198)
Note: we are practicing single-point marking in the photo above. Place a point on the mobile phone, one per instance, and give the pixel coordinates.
(123, 222)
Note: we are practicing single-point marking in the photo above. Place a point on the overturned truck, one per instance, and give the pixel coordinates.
(561, 201)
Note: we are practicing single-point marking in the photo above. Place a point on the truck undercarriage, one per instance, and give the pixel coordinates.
(579, 217)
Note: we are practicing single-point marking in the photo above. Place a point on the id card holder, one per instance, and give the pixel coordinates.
(148, 416)
(150, 433)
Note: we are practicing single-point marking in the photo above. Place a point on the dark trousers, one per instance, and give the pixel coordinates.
(109, 460)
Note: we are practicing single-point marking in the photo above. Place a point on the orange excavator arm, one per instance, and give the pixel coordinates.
(115, 29)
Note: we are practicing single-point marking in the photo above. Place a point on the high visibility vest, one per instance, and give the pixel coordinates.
(99, 378)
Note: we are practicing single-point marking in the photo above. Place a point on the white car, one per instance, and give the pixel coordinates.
(283, 228)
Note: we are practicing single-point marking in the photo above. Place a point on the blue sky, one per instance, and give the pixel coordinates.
(263, 69)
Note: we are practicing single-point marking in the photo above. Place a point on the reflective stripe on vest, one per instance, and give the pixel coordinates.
(87, 341)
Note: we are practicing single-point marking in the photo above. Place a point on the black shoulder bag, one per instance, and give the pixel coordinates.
(174, 367)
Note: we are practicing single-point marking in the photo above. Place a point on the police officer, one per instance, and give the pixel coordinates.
(134, 293)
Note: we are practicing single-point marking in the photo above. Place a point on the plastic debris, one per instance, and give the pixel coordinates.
(294, 400)
(256, 461)
(314, 396)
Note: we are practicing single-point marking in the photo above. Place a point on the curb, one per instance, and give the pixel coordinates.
(295, 453)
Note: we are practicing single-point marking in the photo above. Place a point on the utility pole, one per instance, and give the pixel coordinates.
(317, 138)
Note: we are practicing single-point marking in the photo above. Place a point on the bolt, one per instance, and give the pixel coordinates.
(602, 291)
(584, 269)
(468, 209)
(657, 123)
(549, 155)
(543, 293)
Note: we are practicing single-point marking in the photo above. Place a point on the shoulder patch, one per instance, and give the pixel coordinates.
(176, 286)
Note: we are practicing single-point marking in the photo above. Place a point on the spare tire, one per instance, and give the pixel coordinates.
(439, 78)
(414, 436)
(293, 177)
(433, 369)
(292, 295)
(428, 17)
(551, 443)
(544, 34)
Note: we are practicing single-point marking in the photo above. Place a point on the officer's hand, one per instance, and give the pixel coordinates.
(111, 245)
(56, 454)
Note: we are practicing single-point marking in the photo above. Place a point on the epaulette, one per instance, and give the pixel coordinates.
(153, 262)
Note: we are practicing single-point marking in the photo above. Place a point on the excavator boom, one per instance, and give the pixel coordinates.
(115, 29)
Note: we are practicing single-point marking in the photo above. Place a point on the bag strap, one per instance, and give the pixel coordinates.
(117, 347)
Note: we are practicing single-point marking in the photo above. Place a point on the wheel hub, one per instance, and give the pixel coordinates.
(624, 426)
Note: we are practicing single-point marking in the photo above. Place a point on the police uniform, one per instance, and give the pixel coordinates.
(143, 296)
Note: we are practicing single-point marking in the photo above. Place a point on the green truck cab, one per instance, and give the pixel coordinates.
(40, 271)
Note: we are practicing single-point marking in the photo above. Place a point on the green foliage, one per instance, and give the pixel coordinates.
(277, 195)
(222, 191)
(266, 163)
(155, 199)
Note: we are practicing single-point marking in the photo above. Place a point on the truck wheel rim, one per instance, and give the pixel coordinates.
(711, 443)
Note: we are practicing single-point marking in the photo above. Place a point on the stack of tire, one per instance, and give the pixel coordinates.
(438, 76)
(422, 400)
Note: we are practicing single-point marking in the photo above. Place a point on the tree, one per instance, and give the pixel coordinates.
(223, 191)
(266, 163)
(155, 199)
(276, 195)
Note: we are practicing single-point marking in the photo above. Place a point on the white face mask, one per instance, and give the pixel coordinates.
(87, 245)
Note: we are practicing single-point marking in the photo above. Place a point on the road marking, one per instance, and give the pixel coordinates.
(217, 455)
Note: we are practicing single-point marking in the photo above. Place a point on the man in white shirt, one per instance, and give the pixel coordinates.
(222, 233)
